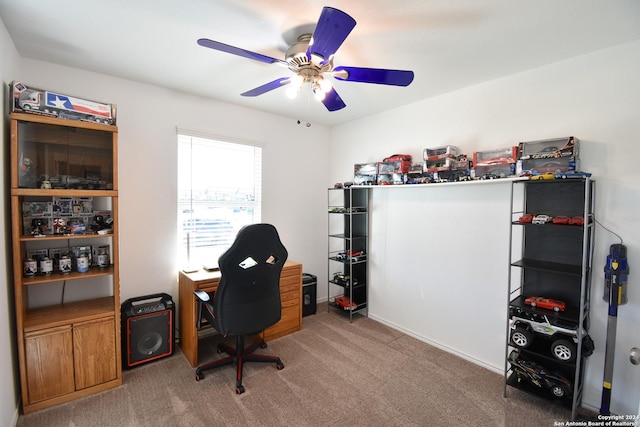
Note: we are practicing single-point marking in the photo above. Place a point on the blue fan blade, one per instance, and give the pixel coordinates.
(237, 51)
(331, 31)
(267, 87)
(333, 101)
(375, 75)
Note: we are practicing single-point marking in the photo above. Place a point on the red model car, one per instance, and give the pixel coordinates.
(526, 218)
(561, 220)
(577, 220)
(548, 303)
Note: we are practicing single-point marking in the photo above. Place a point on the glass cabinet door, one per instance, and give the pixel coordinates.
(63, 157)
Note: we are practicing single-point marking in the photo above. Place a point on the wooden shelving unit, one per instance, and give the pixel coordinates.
(68, 347)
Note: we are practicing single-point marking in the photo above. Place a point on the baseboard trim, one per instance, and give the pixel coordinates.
(497, 370)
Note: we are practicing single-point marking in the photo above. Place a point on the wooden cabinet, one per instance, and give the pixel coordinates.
(92, 368)
(64, 225)
(49, 360)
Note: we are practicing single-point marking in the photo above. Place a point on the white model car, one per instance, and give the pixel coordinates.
(541, 219)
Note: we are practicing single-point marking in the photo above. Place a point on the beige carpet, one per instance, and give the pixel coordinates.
(336, 373)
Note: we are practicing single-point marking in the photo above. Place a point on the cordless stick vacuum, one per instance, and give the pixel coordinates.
(616, 271)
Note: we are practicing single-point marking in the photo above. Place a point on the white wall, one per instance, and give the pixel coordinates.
(9, 67)
(427, 265)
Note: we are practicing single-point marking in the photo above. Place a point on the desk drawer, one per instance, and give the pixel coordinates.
(209, 285)
(288, 299)
(295, 271)
(289, 322)
(289, 283)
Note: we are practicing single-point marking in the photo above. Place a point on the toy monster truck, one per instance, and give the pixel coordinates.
(526, 325)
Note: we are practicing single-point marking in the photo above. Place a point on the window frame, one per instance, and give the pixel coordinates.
(201, 214)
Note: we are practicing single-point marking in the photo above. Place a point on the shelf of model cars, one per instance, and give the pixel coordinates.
(74, 275)
(529, 375)
(345, 305)
(42, 119)
(63, 314)
(554, 267)
(477, 181)
(348, 261)
(350, 211)
(64, 237)
(347, 284)
(571, 313)
(549, 336)
(39, 192)
(572, 225)
(541, 350)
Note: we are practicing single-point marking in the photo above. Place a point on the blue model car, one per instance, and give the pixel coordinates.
(572, 174)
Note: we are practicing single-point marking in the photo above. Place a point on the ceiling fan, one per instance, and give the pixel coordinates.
(310, 58)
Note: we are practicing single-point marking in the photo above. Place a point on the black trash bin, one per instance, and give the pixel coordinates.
(309, 289)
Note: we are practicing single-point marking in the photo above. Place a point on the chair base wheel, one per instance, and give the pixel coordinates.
(239, 389)
(279, 365)
(199, 375)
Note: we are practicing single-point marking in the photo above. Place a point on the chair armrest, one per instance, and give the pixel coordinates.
(202, 296)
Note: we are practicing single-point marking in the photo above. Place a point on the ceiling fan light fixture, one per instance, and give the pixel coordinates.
(310, 58)
(297, 81)
(292, 92)
(324, 84)
(318, 94)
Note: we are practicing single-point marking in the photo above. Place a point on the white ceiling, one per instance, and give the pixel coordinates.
(449, 44)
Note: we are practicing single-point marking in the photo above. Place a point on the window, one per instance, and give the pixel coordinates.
(219, 192)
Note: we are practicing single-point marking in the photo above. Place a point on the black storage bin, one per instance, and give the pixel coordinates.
(309, 286)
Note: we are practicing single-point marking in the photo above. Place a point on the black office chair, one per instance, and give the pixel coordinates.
(247, 300)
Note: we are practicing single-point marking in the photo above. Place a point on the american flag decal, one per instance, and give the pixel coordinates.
(64, 102)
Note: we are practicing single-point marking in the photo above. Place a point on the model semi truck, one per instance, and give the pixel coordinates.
(61, 106)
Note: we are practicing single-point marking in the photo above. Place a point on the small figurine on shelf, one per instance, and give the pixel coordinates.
(38, 227)
(59, 225)
(25, 166)
(98, 223)
(27, 178)
(101, 225)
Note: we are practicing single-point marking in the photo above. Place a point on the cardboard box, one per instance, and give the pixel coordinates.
(548, 148)
(498, 170)
(493, 157)
(63, 206)
(439, 165)
(37, 209)
(83, 206)
(391, 179)
(38, 101)
(440, 152)
(365, 173)
(365, 169)
(553, 164)
(399, 166)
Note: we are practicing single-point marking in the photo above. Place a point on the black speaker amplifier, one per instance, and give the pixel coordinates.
(147, 329)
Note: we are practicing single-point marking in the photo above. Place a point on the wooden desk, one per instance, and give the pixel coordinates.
(290, 295)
